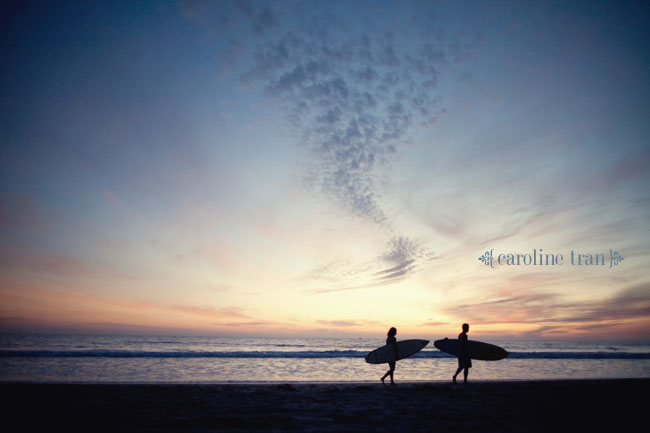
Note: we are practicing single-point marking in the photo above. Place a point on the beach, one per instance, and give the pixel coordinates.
(479, 406)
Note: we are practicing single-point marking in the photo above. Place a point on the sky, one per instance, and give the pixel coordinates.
(294, 168)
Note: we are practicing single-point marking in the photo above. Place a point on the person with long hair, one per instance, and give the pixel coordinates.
(391, 341)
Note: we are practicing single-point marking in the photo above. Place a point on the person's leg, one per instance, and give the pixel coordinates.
(465, 374)
(456, 374)
(391, 367)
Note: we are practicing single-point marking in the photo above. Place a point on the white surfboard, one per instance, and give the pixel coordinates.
(405, 348)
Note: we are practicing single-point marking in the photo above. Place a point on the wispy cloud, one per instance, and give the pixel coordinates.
(347, 323)
(61, 301)
(352, 92)
(353, 96)
(231, 312)
(435, 324)
(401, 258)
(248, 324)
(555, 314)
(630, 303)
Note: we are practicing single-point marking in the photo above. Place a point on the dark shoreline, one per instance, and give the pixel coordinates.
(481, 406)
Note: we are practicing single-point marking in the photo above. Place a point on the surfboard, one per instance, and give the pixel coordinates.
(477, 349)
(405, 348)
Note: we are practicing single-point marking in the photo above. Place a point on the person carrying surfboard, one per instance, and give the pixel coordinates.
(464, 361)
(391, 341)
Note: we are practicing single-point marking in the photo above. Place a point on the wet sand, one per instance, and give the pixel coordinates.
(522, 406)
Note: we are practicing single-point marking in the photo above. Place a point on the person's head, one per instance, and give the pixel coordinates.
(465, 327)
(392, 332)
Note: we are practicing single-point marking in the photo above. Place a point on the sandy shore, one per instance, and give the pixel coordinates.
(582, 405)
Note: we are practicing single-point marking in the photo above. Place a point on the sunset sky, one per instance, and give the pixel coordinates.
(324, 168)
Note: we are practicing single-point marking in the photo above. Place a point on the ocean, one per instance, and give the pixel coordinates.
(175, 359)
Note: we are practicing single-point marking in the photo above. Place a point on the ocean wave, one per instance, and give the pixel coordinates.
(305, 354)
(179, 354)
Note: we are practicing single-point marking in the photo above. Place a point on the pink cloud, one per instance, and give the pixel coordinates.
(24, 303)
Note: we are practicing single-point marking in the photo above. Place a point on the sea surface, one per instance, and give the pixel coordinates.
(165, 359)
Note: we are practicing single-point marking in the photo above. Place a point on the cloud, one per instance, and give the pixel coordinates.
(529, 307)
(435, 324)
(352, 102)
(401, 258)
(232, 312)
(61, 302)
(347, 323)
(247, 324)
(340, 323)
(555, 315)
(630, 303)
(342, 288)
(352, 91)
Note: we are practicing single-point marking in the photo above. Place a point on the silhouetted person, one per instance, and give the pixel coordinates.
(391, 341)
(464, 361)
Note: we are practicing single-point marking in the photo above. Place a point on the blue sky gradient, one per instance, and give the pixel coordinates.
(323, 168)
